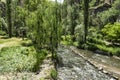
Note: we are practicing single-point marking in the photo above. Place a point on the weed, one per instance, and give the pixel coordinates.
(54, 74)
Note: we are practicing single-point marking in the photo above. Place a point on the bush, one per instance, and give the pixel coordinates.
(109, 50)
(91, 46)
(40, 56)
(67, 40)
(54, 74)
(97, 44)
(2, 33)
(27, 43)
(95, 40)
(111, 32)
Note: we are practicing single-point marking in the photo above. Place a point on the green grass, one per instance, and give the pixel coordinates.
(2, 33)
(93, 44)
(54, 74)
(101, 45)
(3, 40)
(40, 56)
(17, 55)
(10, 42)
(3, 1)
(68, 40)
(110, 50)
(17, 59)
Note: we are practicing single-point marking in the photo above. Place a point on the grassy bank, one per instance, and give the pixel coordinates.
(105, 47)
(94, 45)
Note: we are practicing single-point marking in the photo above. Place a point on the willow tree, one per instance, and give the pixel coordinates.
(86, 18)
(9, 16)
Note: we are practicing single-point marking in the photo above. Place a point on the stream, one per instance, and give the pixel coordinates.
(73, 67)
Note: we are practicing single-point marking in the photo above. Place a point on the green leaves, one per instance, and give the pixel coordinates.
(110, 15)
(44, 23)
(17, 59)
(112, 32)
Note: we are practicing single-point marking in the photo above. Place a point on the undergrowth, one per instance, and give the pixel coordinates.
(97, 44)
(93, 44)
(18, 59)
(54, 74)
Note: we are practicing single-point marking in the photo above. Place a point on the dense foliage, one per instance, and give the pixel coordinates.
(88, 24)
(103, 30)
(111, 32)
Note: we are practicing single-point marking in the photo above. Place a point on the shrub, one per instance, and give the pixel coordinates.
(92, 46)
(2, 33)
(111, 32)
(97, 41)
(27, 43)
(40, 56)
(54, 74)
(109, 50)
(67, 40)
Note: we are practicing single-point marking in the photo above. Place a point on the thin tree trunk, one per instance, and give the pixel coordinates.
(86, 19)
(9, 18)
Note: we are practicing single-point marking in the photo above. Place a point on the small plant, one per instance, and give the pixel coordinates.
(67, 40)
(40, 56)
(54, 74)
(2, 33)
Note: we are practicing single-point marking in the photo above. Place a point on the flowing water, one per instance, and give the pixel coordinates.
(74, 67)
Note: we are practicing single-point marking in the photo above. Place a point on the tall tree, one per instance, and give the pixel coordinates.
(86, 19)
(9, 18)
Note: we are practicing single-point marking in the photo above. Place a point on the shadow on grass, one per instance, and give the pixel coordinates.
(4, 37)
(27, 44)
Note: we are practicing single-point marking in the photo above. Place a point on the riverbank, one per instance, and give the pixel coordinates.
(103, 63)
(96, 45)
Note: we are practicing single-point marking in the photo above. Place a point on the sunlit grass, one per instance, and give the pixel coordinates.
(3, 1)
(17, 59)
(112, 50)
(17, 55)
(101, 45)
(9, 42)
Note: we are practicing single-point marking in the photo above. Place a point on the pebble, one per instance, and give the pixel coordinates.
(100, 68)
(105, 72)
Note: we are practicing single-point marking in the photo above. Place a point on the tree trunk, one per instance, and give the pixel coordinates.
(86, 19)
(9, 18)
